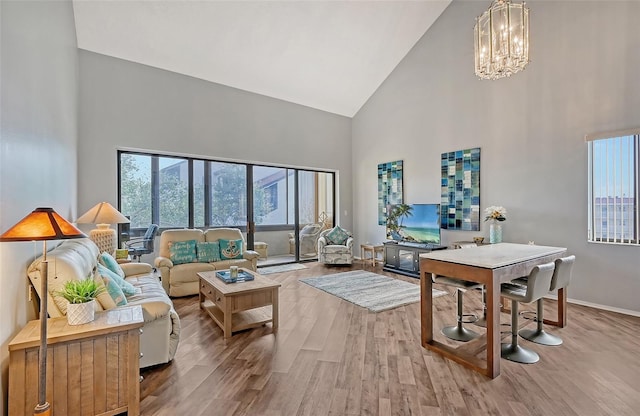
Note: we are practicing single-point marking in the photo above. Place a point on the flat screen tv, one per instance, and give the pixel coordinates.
(418, 223)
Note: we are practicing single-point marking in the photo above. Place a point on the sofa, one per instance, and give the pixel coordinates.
(182, 279)
(78, 259)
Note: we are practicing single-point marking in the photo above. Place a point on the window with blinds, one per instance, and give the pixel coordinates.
(614, 187)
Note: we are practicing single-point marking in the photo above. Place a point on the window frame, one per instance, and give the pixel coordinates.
(634, 175)
(155, 206)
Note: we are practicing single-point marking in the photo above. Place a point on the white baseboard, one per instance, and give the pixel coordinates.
(598, 306)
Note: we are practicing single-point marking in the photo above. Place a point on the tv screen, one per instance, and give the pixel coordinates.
(419, 223)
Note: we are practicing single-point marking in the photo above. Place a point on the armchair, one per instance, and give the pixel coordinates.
(331, 253)
(138, 246)
(308, 239)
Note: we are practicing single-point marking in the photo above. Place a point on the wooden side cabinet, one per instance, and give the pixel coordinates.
(92, 369)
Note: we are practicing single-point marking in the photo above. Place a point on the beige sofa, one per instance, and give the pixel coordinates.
(182, 279)
(77, 259)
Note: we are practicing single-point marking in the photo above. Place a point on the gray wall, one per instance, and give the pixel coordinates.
(583, 78)
(38, 137)
(128, 105)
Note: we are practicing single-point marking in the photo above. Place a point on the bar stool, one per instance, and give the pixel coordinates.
(561, 279)
(458, 332)
(538, 284)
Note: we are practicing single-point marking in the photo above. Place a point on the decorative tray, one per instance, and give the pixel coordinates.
(225, 276)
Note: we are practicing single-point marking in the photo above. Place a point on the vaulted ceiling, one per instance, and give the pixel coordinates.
(328, 55)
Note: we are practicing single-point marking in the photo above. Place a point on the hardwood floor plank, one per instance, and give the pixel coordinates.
(331, 357)
(319, 388)
(336, 339)
(285, 391)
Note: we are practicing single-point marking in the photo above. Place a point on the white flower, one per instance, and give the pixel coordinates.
(495, 213)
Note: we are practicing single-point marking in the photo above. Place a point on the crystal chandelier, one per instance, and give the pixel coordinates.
(502, 40)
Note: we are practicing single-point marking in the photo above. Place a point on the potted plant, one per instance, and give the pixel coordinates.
(81, 295)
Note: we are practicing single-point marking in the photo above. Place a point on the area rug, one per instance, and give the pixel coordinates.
(370, 290)
(281, 268)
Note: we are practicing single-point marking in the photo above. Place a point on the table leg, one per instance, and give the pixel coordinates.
(426, 308)
(275, 310)
(493, 329)
(227, 318)
(562, 310)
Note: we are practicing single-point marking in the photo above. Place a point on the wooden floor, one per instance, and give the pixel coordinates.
(331, 357)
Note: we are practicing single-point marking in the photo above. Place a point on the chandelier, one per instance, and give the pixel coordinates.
(502, 40)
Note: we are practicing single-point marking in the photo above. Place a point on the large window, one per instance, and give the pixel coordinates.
(135, 189)
(173, 192)
(176, 192)
(227, 194)
(613, 187)
(269, 195)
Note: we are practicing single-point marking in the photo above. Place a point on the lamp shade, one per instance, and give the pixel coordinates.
(42, 224)
(103, 213)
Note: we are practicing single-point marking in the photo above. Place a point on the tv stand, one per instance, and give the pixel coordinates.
(404, 257)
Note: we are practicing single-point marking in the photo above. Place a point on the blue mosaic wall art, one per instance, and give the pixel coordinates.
(460, 192)
(389, 187)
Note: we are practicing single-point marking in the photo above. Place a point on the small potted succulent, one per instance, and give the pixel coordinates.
(81, 295)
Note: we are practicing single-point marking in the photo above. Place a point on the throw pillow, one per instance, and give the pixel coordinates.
(208, 251)
(127, 288)
(181, 252)
(230, 249)
(107, 260)
(337, 236)
(104, 298)
(110, 283)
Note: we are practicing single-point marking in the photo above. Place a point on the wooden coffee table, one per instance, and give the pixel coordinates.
(241, 305)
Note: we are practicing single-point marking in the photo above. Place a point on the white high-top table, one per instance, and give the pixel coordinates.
(490, 265)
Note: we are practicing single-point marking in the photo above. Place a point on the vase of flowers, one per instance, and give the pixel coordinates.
(495, 215)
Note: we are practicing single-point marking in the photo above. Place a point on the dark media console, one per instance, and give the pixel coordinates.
(404, 257)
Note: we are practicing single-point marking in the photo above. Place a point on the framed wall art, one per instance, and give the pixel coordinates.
(389, 187)
(460, 192)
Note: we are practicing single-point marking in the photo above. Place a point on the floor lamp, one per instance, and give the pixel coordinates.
(43, 224)
(103, 215)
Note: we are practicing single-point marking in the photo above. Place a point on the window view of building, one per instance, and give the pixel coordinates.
(613, 189)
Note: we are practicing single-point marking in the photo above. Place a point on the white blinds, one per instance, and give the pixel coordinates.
(614, 187)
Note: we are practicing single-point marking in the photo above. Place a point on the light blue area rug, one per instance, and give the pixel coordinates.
(370, 290)
(281, 268)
